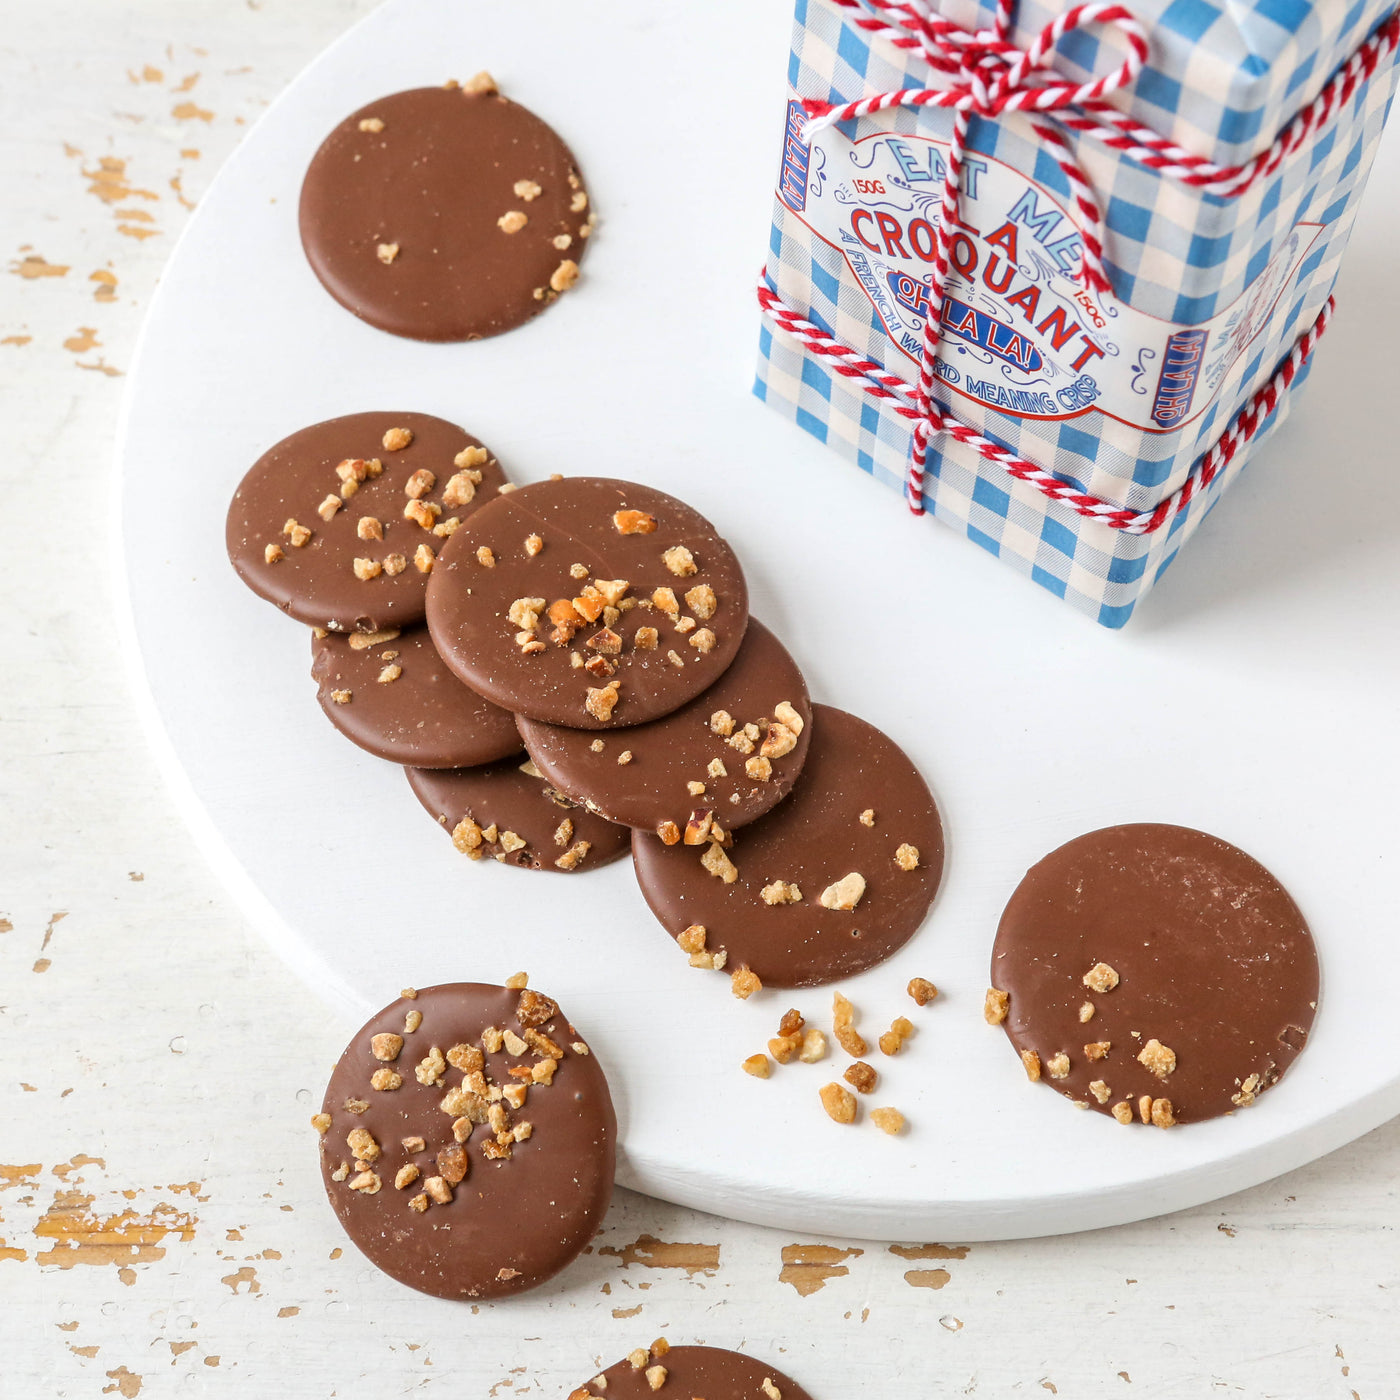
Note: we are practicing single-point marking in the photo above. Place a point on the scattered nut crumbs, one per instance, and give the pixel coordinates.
(861, 1077)
(843, 1024)
(1032, 1063)
(744, 983)
(845, 894)
(893, 1039)
(813, 1046)
(888, 1120)
(839, 1102)
(907, 857)
(995, 1006)
(386, 252)
(1249, 1091)
(922, 990)
(781, 892)
(756, 1065)
(1101, 978)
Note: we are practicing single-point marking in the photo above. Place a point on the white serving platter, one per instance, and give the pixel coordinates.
(1256, 693)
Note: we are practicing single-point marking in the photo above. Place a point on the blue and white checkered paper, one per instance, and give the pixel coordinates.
(1227, 285)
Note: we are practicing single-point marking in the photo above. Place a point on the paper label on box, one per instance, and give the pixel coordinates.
(1020, 333)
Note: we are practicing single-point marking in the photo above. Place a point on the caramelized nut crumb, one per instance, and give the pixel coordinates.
(845, 894)
(922, 990)
(839, 1103)
(888, 1120)
(861, 1077)
(1032, 1063)
(757, 1065)
(995, 1006)
(1101, 978)
(744, 983)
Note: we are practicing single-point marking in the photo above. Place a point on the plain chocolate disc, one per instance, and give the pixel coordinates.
(502, 811)
(707, 1372)
(442, 214)
(1211, 979)
(587, 602)
(829, 883)
(643, 776)
(318, 525)
(395, 698)
(432, 1190)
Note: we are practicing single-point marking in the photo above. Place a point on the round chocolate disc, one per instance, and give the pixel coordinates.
(444, 214)
(1155, 965)
(731, 740)
(507, 811)
(340, 524)
(468, 1140)
(710, 1372)
(829, 883)
(389, 693)
(588, 602)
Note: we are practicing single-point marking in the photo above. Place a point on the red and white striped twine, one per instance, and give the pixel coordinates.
(990, 76)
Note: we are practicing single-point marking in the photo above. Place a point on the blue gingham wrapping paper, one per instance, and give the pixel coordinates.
(1245, 276)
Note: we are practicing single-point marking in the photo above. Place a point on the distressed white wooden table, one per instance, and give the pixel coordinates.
(162, 1226)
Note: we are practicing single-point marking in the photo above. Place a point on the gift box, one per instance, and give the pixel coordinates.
(1056, 274)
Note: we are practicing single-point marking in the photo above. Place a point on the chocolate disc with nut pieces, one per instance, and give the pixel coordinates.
(1154, 973)
(341, 524)
(446, 213)
(507, 812)
(587, 602)
(735, 750)
(690, 1371)
(829, 883)
(389, 693)
(468, 1140)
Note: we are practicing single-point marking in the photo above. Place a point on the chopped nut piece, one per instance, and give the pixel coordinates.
(298, 534)
(922, 990)
(757, 1065)
(792, 1021)
(778, 742)
(386, 252)
(367, 1182)
(460, 489)
(543, 1071)
(669, 833)
(893, 1039)
(419, 1203)
(1249, 1091)
(843, 1018)
(845, 893)
(839, 1102)
(483, 85)
(527, 190)
(813, 1046)
(861, 1077)
(606, 641)
(341, 697)
(328, 507)
(888, 1120)
(770, 1390)
(356, 1105)
(780, 892)
(717, 863)
(638, 1358)
(438, 1190)
(273, 553)
(466, 1058)
(390, 673)
(1086, 1012)
(741, 742)
(1100, 1091)
(646, 638)
(453, 1164)
(722, 723)
(512, 221)
(1123, 1111)
(394, 564)
(372, 124)
(680, 561)
(704, 641)
(423, 513)
(485, 557)
(341, 1172)
(1101, 978)
(1145, 1108)
(716, 768)
(701, 601)
(1158, 1058)
(600, 703)
(1097, 1049)
(413, 1019)
(361, 1142)
(321, 1122)
(430, 1069)
(564, 832)
(697, 827)
(695, 789)
(656, 1376)
(579, 202)
(534, 1008)
(744, 983)
(396, 439)
(907, 857)
(406, 1176)
(685, 624)
(867, 817)
(1032, 1063)
(784, 1047)
(1162, 1114)
(467, 837)
(386, 1046)
(692, 939)
(995, 1006)
(759, 769)
(513, 1043)
(368, 528)
(1057, 1066)
(564, 276)
(420, 483)
(510, 842)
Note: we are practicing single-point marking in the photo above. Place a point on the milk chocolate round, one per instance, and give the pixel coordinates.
(1202, 973)
(389, 693)
(588, 602)
(432, 1190)
(728, 739)
(444, 214)
(338, 524)
(708, 1372)
(829, 883)
(512, 815)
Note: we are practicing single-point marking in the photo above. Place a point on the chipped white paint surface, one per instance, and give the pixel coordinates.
(164, 1232)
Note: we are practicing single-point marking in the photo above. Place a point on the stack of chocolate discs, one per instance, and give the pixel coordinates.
(603, 628)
